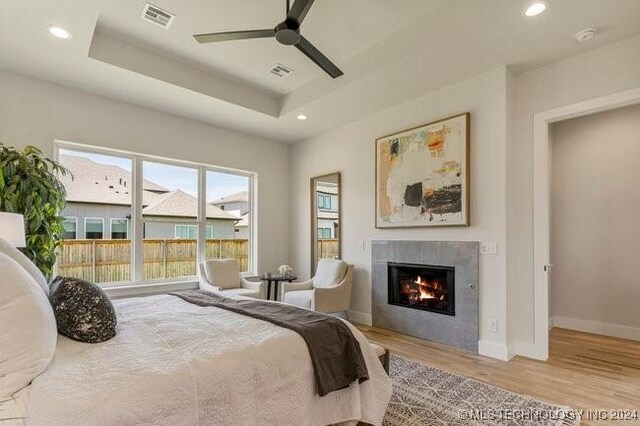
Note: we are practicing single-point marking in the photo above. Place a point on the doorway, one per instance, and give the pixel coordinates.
(542, 203)
(595, 206)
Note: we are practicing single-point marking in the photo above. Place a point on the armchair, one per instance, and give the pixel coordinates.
(329, 291)
(223, 277)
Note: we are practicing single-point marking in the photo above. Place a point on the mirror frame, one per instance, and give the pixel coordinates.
(314, 217)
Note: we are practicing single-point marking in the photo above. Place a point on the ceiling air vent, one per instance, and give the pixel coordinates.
(157, 16)
(281, 71)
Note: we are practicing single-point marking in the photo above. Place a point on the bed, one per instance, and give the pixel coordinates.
(175, 363)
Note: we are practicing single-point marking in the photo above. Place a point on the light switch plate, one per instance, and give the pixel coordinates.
(489, 248)
(361, 245)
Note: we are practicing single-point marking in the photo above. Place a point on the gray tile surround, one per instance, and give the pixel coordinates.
(460, 330)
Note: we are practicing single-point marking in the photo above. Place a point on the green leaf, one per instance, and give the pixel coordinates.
(29, 185)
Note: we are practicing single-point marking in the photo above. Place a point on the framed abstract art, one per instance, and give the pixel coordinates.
(422, 175)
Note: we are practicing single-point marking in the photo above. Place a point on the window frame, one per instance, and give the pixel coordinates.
(137, 285)
(75, 220)
(324, 202)
(189, 225)
(101, 219)
(322, 231)
(111, 220)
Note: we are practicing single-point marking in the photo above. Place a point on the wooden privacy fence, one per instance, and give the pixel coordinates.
(103, 261)
(328, 248)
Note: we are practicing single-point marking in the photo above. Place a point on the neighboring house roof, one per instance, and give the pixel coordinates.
(106, 184)
(180, 204)
(101, 183)
(240, 197)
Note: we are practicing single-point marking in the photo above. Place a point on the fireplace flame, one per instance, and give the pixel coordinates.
(423, 288)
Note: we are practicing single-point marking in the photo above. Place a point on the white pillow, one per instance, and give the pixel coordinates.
(26, 263)
(28, 330)
(223, 273)
(329, 272)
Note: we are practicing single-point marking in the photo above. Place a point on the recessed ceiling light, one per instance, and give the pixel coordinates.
(59, 32)
(536, 8)
(302, 117)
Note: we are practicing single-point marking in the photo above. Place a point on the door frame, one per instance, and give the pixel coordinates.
(542, 203)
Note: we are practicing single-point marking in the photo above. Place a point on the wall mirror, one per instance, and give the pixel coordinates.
(325, 218)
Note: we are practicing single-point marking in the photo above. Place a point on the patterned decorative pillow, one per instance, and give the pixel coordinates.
(83, 311)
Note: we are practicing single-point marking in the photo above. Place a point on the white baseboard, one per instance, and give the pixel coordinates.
(360, 317)
(494, 350)
(529, 350)
(595, 327)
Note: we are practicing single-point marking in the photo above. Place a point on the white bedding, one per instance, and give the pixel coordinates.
(174, 363)
(13, 410)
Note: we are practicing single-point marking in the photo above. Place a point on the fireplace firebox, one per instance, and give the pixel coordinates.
(424, 287)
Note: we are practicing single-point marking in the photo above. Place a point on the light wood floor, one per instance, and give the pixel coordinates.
(584, 371)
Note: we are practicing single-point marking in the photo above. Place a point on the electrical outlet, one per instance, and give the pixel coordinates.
(489, 248)
(493, 325)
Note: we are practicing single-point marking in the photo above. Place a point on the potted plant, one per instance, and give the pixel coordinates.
(29, 185)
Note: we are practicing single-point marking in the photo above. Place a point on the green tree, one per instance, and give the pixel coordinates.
(29, 185)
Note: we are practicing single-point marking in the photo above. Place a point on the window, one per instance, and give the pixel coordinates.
(229, 211)
(93, 228)
(119, 229)
(70, 225)
(175, 214)
(324, 202)
(97, 247)
(324, 233)
(190, 232)
(186, 232)
(170, 250)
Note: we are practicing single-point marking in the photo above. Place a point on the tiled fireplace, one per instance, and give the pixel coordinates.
(427, 289)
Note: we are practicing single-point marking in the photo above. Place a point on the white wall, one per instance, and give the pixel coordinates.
(599, 72)
(595, 211)
(33, 112)
(352, 152)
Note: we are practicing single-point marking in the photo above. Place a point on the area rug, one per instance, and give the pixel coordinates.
(424, 395)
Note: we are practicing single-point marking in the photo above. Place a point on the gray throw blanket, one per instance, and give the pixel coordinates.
(335, 353)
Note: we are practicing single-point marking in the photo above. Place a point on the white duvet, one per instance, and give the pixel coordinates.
(174, 363)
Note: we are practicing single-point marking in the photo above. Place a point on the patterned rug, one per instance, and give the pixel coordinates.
(423, 395)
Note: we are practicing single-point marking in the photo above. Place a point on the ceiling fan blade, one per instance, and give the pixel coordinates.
(234, 35)
(316, 56)
(299, 10)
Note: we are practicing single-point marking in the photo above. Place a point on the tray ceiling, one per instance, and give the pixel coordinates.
(390, 51)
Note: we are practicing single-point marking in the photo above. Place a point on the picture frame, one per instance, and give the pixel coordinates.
(422, 175)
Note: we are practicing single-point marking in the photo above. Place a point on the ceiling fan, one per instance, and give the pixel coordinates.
(287, 32)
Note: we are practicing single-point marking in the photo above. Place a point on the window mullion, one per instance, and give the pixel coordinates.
(202, 216)
(136, 221)
(253, 218)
